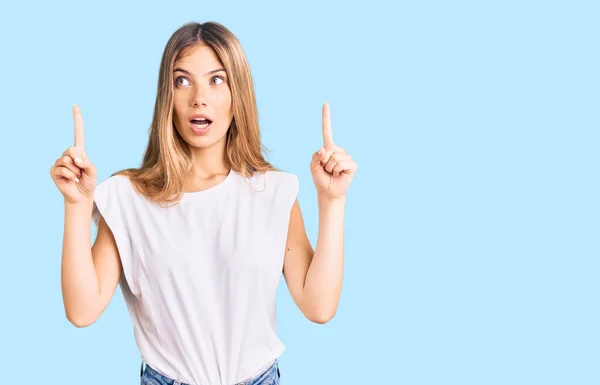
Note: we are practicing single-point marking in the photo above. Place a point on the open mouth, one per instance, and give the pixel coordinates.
(200, 123)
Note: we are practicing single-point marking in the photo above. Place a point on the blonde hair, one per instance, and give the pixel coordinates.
(168, 159)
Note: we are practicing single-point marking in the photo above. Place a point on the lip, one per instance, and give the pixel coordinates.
(200, 131)
(200, 116)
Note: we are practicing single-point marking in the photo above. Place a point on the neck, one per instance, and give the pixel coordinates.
(209, 162)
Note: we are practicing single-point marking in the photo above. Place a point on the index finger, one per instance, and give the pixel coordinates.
(78, 126)
(327, 132)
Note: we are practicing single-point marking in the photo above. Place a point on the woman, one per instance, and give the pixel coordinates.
(200, 234)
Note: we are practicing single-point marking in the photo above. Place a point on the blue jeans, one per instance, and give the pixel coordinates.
(270, 376)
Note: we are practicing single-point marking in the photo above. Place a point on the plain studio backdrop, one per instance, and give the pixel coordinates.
(471, 249)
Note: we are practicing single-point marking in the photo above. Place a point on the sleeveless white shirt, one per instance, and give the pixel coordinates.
(199, 277)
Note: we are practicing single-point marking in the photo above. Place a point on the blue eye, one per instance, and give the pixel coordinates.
(218, 77)
(177, 80)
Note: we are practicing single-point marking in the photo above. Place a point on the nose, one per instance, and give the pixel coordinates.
(198, 97)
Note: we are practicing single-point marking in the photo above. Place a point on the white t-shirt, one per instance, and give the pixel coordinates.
(199, 278)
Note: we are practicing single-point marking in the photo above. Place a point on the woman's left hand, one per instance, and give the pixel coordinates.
(332, 168)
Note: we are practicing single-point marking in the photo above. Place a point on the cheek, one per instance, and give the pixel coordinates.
(179, 114)
(178, 105)
(224, 101)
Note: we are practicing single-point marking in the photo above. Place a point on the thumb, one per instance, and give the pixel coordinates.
(315, 163)
(86, 166)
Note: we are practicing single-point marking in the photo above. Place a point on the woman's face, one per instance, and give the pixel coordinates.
(201, 88)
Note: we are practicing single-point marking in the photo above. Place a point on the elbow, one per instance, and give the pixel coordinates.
(321, 318)
(319, 312)
(80, 321)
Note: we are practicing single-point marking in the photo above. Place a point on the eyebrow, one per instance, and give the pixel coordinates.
(206, 74)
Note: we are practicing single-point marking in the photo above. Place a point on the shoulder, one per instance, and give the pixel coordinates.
(282, 176)
(272, 180)
(273, 187)
(115, 180)
(117, 184)
(285, 186)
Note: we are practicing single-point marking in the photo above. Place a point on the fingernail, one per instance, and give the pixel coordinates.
(77, 180)
(320, 151)
(78, 160)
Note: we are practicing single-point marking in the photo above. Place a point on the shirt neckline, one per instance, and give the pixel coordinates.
(219, 186)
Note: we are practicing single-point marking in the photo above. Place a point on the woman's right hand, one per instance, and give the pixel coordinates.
(73, 173)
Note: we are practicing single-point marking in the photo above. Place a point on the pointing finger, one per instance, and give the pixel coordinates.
(78, 126)
(327, 132)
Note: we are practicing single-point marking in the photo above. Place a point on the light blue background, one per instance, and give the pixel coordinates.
(472, 225)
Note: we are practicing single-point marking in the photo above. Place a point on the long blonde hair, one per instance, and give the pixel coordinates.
(168, 159)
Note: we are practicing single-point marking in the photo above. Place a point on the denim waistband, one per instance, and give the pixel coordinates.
(266, 376)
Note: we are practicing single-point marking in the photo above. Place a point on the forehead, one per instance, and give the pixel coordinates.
(199, 58)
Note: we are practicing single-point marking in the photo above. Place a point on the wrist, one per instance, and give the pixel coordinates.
(329, 201)
(84, 204)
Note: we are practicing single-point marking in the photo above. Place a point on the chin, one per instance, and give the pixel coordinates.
(204, 141)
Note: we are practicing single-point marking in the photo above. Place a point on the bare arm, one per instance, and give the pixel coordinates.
(89, 276)
(314, 278)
